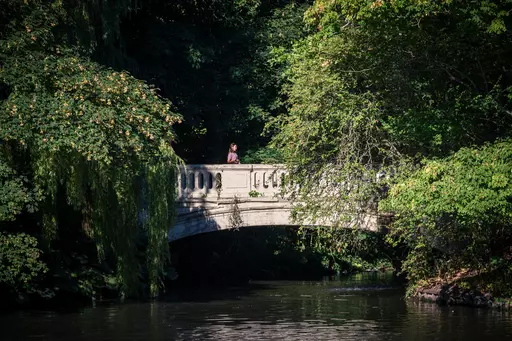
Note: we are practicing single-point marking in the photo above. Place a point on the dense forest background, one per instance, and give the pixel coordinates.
(400, 106)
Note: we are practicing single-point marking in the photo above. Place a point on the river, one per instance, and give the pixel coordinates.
(358, 307)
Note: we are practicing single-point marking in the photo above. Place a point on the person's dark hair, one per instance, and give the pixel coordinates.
(231, 147)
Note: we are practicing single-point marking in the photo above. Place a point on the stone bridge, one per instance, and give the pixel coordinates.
(220, 197)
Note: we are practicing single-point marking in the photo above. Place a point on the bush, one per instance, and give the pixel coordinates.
(14, 196)
(456, 214)
(20, 265)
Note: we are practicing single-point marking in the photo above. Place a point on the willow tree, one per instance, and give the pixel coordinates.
(90, 139)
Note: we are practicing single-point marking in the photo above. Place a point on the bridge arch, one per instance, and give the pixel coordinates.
(220, 197)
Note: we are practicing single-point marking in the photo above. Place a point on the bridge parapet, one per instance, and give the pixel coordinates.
(227, 181)
(206, 200)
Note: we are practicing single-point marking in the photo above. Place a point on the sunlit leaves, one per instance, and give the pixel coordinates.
(20, 262)
(76, 104)
(14, 194)
(380, 87)
(460, 204)
(90, 139)
(473, 185)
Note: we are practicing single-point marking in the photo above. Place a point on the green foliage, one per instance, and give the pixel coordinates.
(347, 249)
(255, 194)
(377, 86)
(77, 94)
(211, 58)
(432, 98)
(380, 87)
(486, 15)
(235, 218)
(455, 213)
(14, 195)
(264, 155)
(91, 139)
(330, 137)
(20, 263)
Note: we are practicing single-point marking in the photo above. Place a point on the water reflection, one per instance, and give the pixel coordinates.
(365, 307)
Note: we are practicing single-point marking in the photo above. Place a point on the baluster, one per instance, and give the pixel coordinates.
(199, 181)
(192, 181)
(209, 177)
(217, 181)
(204, 182)
(274, 179)
(256, 182)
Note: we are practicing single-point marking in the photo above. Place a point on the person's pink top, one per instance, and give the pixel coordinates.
(232, 157)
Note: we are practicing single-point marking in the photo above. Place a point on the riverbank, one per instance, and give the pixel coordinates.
(454, 295)
(467, 288)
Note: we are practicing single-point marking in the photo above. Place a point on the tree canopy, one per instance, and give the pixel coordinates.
(380, 93)
(400, 107)
(89, 138)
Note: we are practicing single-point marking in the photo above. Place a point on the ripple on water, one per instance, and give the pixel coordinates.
(327, 310)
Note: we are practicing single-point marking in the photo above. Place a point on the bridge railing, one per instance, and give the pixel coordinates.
(226, 181)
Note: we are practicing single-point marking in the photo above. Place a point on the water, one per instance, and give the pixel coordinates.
(361, 307)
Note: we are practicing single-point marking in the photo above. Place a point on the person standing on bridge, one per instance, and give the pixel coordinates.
(232, 155)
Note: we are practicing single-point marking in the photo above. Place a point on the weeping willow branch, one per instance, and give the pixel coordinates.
(98, 143)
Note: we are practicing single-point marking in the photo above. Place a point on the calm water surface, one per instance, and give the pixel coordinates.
(361, 307)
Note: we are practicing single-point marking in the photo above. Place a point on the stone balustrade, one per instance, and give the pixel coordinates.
(227, 181)
(210, 197)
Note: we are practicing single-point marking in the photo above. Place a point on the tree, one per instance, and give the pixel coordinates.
(90, 139)
(379, 85)
(456, 213)
(401, 98)
(211, 58)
